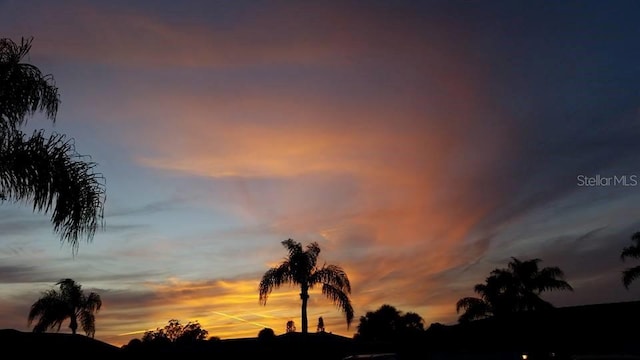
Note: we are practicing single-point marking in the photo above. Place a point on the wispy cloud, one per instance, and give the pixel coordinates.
(299, 34)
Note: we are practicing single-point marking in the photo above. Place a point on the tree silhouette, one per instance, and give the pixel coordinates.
(291, 326)
(389, 324)
(43, 170)
(515, 288)
(175, 332)
(266, 334)
(300, 268)
(320, 327)
(70, 302)
(630, 274)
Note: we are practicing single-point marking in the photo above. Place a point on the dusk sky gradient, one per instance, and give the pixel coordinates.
(420, 143)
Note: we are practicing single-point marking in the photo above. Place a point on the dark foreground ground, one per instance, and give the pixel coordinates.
(18, 344)
(603, 332)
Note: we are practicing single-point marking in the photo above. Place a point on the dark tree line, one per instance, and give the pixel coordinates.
(173, 337)
(515, 288)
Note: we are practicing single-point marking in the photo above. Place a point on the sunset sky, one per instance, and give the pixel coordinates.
(420, 143)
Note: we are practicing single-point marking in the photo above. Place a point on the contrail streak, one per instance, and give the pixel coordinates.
(240, 319)
(135, 332)
(215, 312)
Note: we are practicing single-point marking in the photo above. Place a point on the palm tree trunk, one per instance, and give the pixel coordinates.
(73, 323)
(304, 295)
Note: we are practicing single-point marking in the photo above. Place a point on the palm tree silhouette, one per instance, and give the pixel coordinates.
(291, 326)
(320, 327)
(515, 288)
(300, 268)
(45, 170)
(70, 302)
(488, 304)
(633, 251)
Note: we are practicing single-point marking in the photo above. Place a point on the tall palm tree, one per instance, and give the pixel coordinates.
(70, 302)
(633, 251)
(44, 170)
(515, 288)
(300, 268)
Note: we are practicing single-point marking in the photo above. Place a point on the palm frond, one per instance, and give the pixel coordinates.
(629, 275)
(481, 289)
(500, 275)
(87, 322)
(50, 311)
(551, 278)
(550, 272)
(41, 305)
(301, 263)
(340, 299)
(48, 172)
(531, 301)
(473, 309)
(550, 284)
(333, 275)
(70, 291)
(93, 303)
(24, 89)
(312, 252)
(496, 285)
(467, 302)
(632, 251)
(273, 279)
(516, 263)
(293, 247)
(513, 264)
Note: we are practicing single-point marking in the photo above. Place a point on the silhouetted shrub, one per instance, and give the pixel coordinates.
(266, 334)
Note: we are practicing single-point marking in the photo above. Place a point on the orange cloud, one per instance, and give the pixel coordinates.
(361, 177)
(358, 189)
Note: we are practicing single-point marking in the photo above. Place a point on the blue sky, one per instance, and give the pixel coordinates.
(421, 144)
